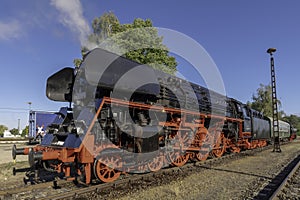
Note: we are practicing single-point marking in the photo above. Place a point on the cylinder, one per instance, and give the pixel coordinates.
(34, 156)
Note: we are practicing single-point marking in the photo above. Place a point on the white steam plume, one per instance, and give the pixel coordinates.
(72, 17)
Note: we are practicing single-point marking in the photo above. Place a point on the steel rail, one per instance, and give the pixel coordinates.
(284, 182)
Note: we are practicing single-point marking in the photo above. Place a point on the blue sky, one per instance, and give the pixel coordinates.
(36, 40)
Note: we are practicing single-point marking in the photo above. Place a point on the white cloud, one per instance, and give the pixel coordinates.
(72, 17)
(10, 30)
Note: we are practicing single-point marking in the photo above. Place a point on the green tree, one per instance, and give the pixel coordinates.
(2, 129)
(262, 101)
(25, 131)
(138, 41)
(14, 131)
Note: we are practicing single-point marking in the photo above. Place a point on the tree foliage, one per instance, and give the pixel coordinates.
(25, 131)
(138, 41)
(2, 129)
(262, 101)
(14, 131)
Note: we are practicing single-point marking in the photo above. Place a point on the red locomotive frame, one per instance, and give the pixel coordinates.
(108, 168)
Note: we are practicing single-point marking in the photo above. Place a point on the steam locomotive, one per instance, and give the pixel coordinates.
(130, 118)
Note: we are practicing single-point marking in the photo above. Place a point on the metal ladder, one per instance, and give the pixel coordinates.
(274, 105)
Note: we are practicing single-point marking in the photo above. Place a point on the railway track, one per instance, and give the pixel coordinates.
(277, 184)
(132, 181)
(68, 190)
(26, 191)
(295, 172)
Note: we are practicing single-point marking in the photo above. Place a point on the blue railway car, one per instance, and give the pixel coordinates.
(38, 123)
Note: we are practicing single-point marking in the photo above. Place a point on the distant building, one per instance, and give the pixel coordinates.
(7, 134)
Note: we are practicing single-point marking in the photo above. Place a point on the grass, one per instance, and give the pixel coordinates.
(6, 168)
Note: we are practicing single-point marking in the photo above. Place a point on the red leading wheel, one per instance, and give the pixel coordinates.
(106, 168)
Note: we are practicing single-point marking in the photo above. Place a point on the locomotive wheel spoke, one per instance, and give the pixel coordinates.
(184, 139)
(219, 148)
(156, 164)
(181, 139)
(106, 169)
(177, 159)
(200, 137)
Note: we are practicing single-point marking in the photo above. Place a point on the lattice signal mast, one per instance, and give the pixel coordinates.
(274, 104)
